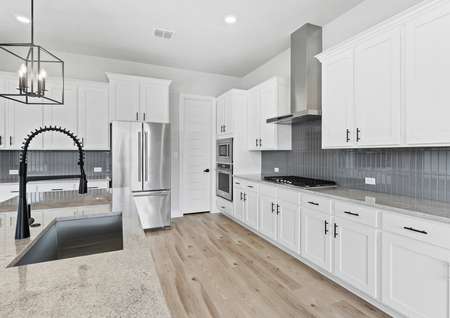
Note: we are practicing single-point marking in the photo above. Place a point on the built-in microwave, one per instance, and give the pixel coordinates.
(224, 151)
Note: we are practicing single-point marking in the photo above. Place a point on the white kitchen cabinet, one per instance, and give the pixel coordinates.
(65, 116)
(4, 107)
(427, 67)
(316, 236)
(124, 98)
(251, 208)
(378, 90)
(135, 98)
(22, 120)
(355, 254)
(93, 115)
(415, 277)
(154, 100)
(288, 224)
(225, 115)
(238, 200)
(337, 100)
(267, 100)
(267, 215)
(399, 96)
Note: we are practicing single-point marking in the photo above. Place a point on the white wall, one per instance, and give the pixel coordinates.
(184, 81)
(279, 65)
(361, 17)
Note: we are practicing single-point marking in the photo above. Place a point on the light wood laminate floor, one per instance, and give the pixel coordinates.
(209, 266)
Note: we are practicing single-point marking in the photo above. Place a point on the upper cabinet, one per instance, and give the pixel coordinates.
(224, 115)
(267, 100)
(427, 67)
(85, 113)
(386, 87)
(93, 115)
(135, 98)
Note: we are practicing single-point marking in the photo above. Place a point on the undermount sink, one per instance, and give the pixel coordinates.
(66, 238)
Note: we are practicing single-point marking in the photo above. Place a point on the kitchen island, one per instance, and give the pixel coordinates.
(122, 283)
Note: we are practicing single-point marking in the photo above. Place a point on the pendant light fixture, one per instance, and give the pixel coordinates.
(36, 67)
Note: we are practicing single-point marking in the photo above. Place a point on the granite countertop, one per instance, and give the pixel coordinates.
(428, 209)
(122, 283)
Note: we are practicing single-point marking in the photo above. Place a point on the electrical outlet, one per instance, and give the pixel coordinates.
(371, 181)
(98, 169)
(13, 172)
(276, 170)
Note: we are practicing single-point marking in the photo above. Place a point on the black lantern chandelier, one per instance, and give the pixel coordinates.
(34, 64)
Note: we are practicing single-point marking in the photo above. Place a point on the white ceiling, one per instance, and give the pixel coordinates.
(123, 29)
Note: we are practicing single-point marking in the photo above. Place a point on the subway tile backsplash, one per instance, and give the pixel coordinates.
(416, 172)
(55, 163)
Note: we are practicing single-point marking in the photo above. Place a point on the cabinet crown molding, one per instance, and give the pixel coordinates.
(397, 20)
(117, 76)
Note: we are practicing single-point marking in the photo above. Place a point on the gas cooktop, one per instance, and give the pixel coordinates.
(301, 182)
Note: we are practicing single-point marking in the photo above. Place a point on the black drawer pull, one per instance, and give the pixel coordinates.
(92, 187)
(251, 187)
(313, 203)
(57, 189)
(223, 207)
(236, 183)
(415, 230)
(351, 213)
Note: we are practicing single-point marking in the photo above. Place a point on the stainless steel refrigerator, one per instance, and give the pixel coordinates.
(141, 161)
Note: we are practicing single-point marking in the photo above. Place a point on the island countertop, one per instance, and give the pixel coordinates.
(122, 283)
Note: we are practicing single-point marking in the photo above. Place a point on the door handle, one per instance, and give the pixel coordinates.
(206, 170)
(256, 142)
(348, 135)
(358, 132)
(335, 230)
(0, 140)
(144, 116)
(137, 116)
(245, 197)
(326, 227)
(260, 142)
(10, 140)
(278, 209)
(273, 207)
(241, 196)
(139, 146)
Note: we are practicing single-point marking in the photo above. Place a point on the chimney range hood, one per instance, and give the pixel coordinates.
(306, 76)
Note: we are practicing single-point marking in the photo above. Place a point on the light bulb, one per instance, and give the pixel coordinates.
(42, 74)
(22, 70)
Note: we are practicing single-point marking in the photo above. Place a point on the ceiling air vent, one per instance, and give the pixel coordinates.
(162, 33)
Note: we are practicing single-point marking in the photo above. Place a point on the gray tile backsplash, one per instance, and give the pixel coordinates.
(416, 172)
(55, 163)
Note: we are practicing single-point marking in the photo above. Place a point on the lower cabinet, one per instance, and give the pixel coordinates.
(267, 215)
(355, 255)
(316, 237)
(415, 277)
(246, 206)
(288, 225)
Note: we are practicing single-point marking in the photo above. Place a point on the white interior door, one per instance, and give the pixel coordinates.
(196, 153)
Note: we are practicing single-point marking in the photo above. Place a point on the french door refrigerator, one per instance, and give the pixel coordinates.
(141, 162)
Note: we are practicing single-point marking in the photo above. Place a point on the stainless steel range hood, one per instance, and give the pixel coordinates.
(306, 76)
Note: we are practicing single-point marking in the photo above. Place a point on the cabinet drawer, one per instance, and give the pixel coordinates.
(423, 230)
(357, 213)
(291, 196)
(53, 187)
(268, 190)
(249, 186)
(317, 203)
(97, 184)
(224, 206)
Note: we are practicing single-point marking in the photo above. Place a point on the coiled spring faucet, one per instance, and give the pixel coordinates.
(23, 209)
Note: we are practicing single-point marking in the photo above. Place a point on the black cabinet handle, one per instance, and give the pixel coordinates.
(335, 230)
(313, 203)
(348, 135)
(144, 116)
(241, 196)
(57, 189)
(10, 140)
(273, 205)
(222, 207)
(326, 227)
(137, 116)
(236, 183)
(245, 196)
(256, 140)
(251, 187)
(1, 140)
(260, 142)
(278, 209)
(206, 170)
(224, 128)
(351, 213)
(415, 230)
(358, 132)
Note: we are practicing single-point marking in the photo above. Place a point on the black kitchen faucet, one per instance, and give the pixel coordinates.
(24, 210)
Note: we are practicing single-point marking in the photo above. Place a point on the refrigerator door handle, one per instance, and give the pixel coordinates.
(146, 155)
(139, 156)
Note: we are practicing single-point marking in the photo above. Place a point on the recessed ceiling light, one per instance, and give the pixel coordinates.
(230, 19)
(23, 19)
